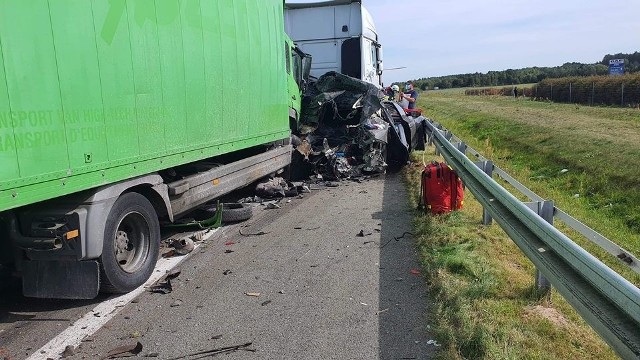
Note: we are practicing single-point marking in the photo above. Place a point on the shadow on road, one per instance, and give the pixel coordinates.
(403, 315)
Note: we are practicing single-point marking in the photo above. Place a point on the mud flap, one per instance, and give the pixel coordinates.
(60, 279)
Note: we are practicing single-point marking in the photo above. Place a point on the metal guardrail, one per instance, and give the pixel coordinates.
(608, 302)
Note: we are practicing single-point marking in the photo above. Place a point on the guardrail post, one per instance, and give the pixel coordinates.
(487, 167)
(462, 147)
(545, 210)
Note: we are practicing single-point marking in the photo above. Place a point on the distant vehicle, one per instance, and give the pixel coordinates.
(340, 36)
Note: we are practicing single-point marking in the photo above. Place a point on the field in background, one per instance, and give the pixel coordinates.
(587, 160)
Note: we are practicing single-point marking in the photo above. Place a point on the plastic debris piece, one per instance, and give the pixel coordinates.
(182, 246)
(415, 271)
(360, 234)
(229, 243)
(69, 350)
(124, 351)
(173, 273)
(163, 287)
(254, 294)
(226, 272)
(433, 342)
(228, 251)
(265, 303)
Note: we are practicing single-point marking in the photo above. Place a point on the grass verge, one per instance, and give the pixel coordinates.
(485, 305)
(485, 302)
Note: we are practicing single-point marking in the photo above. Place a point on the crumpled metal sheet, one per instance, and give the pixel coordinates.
(342, 132)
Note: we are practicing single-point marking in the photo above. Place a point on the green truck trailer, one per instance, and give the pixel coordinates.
(118, 114)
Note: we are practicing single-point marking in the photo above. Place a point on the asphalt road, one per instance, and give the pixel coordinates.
(316, 290)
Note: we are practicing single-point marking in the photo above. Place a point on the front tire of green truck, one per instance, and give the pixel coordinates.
(131, 244)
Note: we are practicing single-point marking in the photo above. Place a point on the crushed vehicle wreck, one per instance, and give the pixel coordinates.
(345, 131)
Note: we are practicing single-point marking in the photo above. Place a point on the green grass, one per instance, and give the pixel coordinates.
(485, 305)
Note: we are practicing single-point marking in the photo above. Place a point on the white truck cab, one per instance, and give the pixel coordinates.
(339, 35)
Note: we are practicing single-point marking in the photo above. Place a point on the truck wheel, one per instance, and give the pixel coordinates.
(131, 244)
(232, 212)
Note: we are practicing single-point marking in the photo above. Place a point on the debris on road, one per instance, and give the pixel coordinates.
(259, 233)
(176, 303)
(226, 272)
(163, 287)
(173, 273)
(180, 246)
(433, 342)
(363, 234)
(272, 205)
(415, 272)
(254, 294)
(124, 351)
(265, 303)
(69, 351)
(212, 352)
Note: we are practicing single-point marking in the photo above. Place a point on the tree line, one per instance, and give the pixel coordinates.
(529, 75)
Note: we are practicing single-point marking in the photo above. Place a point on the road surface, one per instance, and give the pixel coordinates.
(322, 277)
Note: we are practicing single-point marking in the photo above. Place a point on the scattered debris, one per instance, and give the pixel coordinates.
(124, 351)
(229, 243)
(69, 350)
(176, 303)
(433, 342)
(228, 251)
(173, 273)
(265, 303)
(254, 294)
(382, 311)
(272, 206)
(216, 337)
(415, 272)
(153, 354)
(403, 235)
(217, 351)
(226, 272)
(163, 287)
(259, 233)
(182, 246)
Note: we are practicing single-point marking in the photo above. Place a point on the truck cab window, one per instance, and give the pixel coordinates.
(351, 58)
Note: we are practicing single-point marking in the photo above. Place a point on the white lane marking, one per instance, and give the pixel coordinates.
(92, 321)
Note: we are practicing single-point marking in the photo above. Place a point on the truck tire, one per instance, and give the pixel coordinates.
(131, 244)
(232, 212)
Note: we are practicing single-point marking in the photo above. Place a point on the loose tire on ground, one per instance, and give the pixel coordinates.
(131, 244)
(232, 212)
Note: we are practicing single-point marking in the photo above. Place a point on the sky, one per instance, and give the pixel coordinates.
(448, 37)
